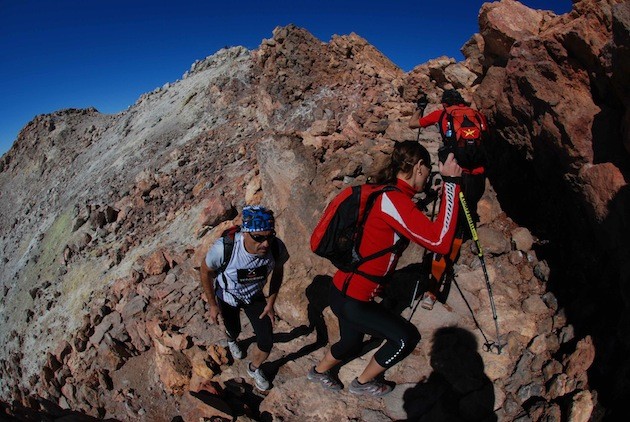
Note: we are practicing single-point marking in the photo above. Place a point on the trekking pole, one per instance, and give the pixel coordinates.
(459, 289)
(473, 232)
(421, 104)
(415, 290)
(413, 310)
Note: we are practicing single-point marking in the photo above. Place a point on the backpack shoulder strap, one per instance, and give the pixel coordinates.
(482, 121)
(228, 246)
(275, 250)
(397, 246)
(368, 207)
(446, 120)
(441, 127)
(369, 203)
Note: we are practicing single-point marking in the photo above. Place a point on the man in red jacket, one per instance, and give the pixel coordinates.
(462, 129)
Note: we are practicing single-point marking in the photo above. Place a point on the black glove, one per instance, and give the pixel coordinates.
(430, 194)
(432, 180)
(444, 151)
(422, 102)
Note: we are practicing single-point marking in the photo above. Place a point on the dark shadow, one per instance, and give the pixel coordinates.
(213, 401)
(607, 138)
(399, 292)
(587, 257)
(296, 332)
(41, 409)
(317, 295)
(272, 368)
(245, 344)
(241, 399)
(611, 369)
(409, 284)
(457, 389)
(445, 287)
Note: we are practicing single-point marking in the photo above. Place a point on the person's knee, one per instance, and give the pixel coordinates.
(397, 350)
(413, 337)
(342, 350)
(265, 345)
(264, 339)
(410, 338)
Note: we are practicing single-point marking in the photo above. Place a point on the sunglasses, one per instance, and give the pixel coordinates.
(260, 238)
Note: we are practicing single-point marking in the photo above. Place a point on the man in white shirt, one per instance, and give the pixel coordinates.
(236, 282)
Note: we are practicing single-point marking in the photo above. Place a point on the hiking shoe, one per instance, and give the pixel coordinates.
(259, 377)
(428, 300)
(325, 379)
(235, 350)
(372, 388)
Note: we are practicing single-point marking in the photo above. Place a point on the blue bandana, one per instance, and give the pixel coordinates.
(257, 219)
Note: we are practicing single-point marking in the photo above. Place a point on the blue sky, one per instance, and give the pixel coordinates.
(57, 54)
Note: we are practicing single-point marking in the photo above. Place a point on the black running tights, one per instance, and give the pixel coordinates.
(357, 318)
(262, 327)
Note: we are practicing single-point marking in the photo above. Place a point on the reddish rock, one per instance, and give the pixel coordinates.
(218, 354)
(506, 22)
(154, 328)
(582, 407)
(175, 341)
(173, 368)
(493, 241)
(602, 182)
(145, 182)
(138, 335)
(523, 239)
(216, 210)
(200, 367)
(133, 307)
(62, 351)
(581, 360)
(156, 264)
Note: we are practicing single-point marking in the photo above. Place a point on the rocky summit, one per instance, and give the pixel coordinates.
(105, 219)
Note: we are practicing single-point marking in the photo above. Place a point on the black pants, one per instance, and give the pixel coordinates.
(262, 327)
(357, 318)
(473, 187)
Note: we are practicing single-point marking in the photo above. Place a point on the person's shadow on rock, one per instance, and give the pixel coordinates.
(457, 389)
(317, 295)
(318, 300)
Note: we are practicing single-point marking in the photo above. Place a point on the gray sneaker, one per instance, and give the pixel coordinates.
(235, 350)
(428, 300)
(259, 378)
(372, 388)
(325, 379)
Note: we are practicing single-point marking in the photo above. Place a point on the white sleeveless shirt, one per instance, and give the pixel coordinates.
(246, 274)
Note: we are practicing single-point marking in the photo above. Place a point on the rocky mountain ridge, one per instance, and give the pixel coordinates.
(105, 219)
